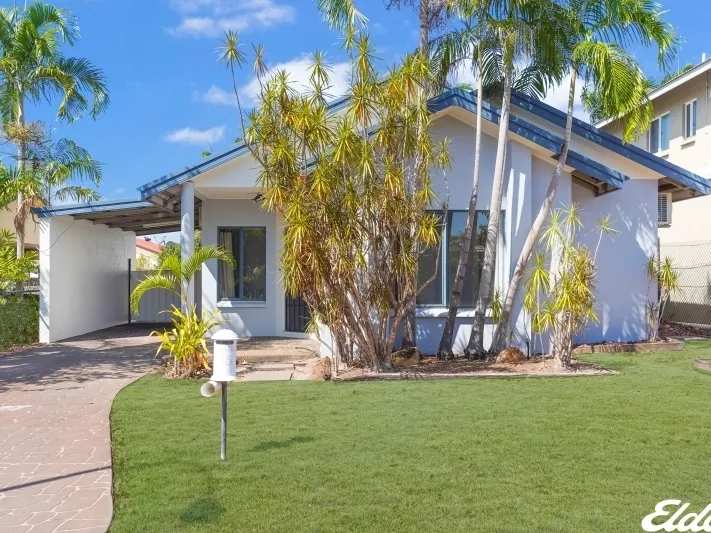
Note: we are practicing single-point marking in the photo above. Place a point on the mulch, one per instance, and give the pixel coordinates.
(430, 367)
(673, 329)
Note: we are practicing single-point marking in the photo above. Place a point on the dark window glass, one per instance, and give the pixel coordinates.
(455, 232)
(654, 137)
(254, 259)
(432, 293)
(247, 279)
(438, 292)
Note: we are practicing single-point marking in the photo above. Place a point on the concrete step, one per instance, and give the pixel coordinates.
(247, 357)
(267, 375)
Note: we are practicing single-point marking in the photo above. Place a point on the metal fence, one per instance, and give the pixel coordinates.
(693, 262)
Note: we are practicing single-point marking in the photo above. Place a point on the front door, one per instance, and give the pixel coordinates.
(297, 314)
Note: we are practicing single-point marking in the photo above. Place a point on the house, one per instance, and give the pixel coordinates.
(147, 253)
(84, 289)
(7, 218)
(680, 134)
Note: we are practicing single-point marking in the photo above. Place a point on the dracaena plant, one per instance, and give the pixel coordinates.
(666, 276)
(560, 286)
(353, 188)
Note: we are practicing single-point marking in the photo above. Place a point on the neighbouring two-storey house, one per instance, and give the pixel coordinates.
(680, 133)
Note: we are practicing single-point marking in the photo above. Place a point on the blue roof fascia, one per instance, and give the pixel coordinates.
(614, 144)
(90, 207)
(531, 132)
(181, 176)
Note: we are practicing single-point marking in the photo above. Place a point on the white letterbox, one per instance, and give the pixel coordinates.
(224, 364)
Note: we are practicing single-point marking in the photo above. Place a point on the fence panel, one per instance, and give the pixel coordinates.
(157, 304)
(693, 262)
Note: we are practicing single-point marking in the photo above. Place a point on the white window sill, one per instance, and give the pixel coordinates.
(690, 140)
(441, 312)
(236, 304)
(664, 154)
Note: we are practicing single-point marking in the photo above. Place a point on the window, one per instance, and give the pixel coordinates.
(439, 290)
(659, 134)
(690, 119)
(247, 279)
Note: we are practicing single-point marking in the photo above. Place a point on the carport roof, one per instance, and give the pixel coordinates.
(139, 216)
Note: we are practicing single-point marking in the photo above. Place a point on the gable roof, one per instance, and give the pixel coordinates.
(149, 246)
(678, 174)
(176, 178)
(517, 125)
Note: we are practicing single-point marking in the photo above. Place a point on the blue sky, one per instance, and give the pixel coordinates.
(170, 99)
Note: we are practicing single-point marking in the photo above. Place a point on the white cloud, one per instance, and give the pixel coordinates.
(196, 137)
(213, 17)
(558, 98)
(217, 96)
(299, 72)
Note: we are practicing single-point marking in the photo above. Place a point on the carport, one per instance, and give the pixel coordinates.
(86, 255)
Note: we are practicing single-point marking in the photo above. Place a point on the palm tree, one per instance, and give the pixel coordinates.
(32, 69)
(451, 50)
(524, 32)
(12, 268)
(598, 36)
(173, 273)
(50, 173)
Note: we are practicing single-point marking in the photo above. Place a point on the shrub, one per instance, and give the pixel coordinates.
(19, 321)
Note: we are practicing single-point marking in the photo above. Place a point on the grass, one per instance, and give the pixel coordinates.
(585, 454)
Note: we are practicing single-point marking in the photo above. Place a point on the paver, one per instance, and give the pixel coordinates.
(55, 451)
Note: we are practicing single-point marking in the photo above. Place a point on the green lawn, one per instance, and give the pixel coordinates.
(589, 454)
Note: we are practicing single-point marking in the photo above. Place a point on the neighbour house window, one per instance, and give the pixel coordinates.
(659, 134)
(438, 292)
(690, 119)
(247, 279)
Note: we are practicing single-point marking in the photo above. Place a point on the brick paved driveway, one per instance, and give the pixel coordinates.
(55, 450)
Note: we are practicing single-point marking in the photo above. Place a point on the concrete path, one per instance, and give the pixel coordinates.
(55, 449)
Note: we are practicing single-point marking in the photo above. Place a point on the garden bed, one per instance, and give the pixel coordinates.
(665, 345)
(430, 368)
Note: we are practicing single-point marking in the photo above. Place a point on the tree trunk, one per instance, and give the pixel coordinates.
(20, 214)
(533, 234)
(445, 344)
(475, 347)
(424, 14)
(409, 337)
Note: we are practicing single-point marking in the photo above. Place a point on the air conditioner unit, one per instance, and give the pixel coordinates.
(664, 209)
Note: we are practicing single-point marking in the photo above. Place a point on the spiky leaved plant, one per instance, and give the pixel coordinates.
(667, 280)
(353, 188)
(185, 340)
(560, 288)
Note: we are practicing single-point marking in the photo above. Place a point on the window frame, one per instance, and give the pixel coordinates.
(659, 118)
(241, 298)
(501, 249)
(693, 104)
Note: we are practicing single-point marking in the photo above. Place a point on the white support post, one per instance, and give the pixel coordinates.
(187, 236)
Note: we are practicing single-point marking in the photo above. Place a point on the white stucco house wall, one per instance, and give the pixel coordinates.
(220, 196)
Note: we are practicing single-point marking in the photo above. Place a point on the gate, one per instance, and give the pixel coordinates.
(297, 314)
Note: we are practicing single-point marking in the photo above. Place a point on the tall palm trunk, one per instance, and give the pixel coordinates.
(21, 212)
(445, 344)
(409, 337)
(476, 340)
(532, 238)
